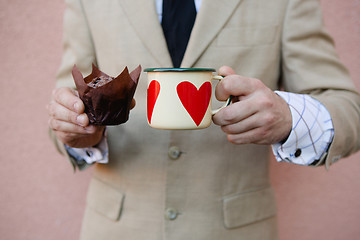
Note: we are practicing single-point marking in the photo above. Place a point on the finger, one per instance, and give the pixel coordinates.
(72, 139)
(83, 120)
(66, 137)
(253, 136)
(69, 99)
(234, 113)
(63, 126)
(59, 112)
(242, 126)
(236, 85)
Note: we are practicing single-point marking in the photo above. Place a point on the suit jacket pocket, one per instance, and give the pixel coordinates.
(247, 208)
(105, 199)
(247, 36)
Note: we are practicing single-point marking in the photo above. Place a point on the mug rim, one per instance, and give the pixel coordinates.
(179, 70)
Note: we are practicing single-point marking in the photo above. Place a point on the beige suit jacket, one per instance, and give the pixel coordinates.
(212, 189)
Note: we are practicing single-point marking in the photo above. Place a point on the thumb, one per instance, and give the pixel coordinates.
(133, 103)
(226, 71)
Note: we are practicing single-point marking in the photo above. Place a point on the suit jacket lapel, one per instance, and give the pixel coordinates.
(143, 18)
(210, 19)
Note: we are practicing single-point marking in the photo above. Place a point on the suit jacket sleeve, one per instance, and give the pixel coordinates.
(78, 49)
(310, 65)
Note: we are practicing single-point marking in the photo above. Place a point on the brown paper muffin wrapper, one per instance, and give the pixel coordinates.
(107, 100)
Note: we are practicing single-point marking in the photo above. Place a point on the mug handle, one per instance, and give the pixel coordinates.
(228, 101)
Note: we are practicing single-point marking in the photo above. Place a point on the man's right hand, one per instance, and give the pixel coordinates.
(69, 122)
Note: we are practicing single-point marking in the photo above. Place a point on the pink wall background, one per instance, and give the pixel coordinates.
(41, 198)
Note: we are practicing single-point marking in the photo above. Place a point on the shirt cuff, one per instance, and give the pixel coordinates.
(90, 155)
(311, 134)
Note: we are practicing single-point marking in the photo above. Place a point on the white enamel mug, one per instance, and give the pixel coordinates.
(180, 98)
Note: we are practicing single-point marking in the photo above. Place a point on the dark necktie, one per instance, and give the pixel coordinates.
(178, 19)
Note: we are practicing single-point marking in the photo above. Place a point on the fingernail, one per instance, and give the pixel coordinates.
(81, 120)
(76, 106)
(90, 129)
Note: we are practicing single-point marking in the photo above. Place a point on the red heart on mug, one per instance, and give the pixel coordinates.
(152, 95)
(195, 101)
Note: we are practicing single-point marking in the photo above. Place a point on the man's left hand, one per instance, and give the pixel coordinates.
(257, 115)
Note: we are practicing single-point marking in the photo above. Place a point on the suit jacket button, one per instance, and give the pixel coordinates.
(171, 214)
(174, 152)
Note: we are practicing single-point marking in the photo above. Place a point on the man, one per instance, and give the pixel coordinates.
(161, 184)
